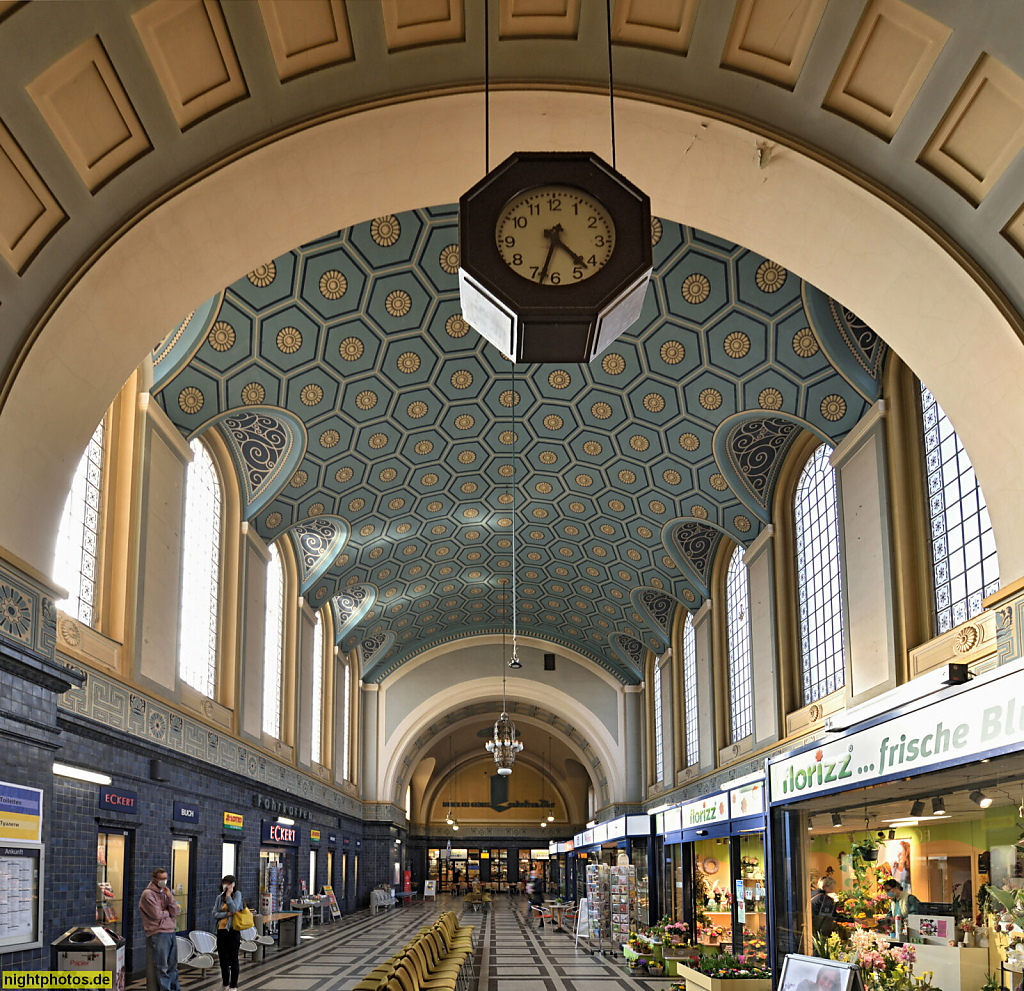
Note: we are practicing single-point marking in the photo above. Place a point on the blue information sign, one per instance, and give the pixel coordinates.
(186, 812)
(120, 800)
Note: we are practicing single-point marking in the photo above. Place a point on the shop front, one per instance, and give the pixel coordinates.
(279, 843)
(714, 868)
(621, 842)
(928, 795)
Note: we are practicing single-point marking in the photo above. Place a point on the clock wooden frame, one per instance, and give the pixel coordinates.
(570, 322)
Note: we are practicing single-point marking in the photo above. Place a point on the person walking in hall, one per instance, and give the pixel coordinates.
(456, 879)
(535, 889)
(159, 911)
(227, 902)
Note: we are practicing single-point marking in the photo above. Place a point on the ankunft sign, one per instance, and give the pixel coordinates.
(930, 737)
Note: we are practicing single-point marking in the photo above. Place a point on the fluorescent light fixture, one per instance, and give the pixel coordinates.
(285, 821)
(938, 806)
(837, 820)
(81, 774)
(902, 821)
(980, 799)
(917, 809)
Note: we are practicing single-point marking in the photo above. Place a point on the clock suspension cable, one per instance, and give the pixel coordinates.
(611, 84)
(487, 86)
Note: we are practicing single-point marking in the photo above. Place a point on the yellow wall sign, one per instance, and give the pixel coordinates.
(314, 835)
(233, 821)
(21, 813)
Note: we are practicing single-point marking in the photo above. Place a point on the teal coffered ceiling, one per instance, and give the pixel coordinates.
(352, 390)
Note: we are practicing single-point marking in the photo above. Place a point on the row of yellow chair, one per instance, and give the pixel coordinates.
(436, 960)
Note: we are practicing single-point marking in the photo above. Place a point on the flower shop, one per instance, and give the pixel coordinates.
(899, 838)
(712, 885)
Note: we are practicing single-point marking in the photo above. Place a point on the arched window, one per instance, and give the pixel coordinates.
(964, 564)
(737, 612)
(273, 646)
(346, 721)
(819, 590)
(317, 720)
(690, 692)
(659, 743)
(78, 539)
(200, 574)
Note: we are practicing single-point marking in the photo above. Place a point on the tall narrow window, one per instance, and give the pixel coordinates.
(318, 690)
(659, 743)
(819, 591)
(964, 564)
(690, 692)
(346, 718)
(737, 611)
(273, 646)
(79, 536)
(200, 574)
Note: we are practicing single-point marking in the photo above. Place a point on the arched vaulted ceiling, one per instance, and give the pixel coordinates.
(419, 442)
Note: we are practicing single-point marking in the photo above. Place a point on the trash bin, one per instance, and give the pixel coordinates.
(90, 948)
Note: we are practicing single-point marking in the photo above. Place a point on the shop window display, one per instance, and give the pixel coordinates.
(110, 865)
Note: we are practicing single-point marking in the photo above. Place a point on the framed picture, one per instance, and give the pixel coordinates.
(801, 973)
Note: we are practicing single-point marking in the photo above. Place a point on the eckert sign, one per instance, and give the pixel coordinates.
(931, 737)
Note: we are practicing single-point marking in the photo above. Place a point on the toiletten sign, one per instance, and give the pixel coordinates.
(986, 718)
(21, 813)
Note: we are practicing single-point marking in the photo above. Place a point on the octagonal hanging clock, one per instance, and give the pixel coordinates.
(555, 251)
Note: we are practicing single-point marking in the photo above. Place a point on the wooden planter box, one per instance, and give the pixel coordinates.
(695, 979)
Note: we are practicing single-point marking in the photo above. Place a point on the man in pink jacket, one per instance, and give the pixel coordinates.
(159, 910)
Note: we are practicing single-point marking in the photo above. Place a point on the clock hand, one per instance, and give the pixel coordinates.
(578, 259)
(547, 261)
(554, 234)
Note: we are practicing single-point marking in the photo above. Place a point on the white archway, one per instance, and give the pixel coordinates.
(845, 239)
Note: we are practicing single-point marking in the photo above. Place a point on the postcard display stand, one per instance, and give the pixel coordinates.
(598, 906)
(622, 886)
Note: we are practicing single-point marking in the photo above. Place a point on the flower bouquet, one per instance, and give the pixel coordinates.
(678, 933)
(882, 968)
(726, 967)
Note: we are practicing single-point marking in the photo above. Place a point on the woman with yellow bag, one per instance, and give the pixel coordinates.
(228, 902)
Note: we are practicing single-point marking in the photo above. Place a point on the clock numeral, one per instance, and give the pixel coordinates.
(509, 241)
(555, 278)
(592, 260)
(592, 223)
(554, 205)
(518, 221)
(517, 259)
(598, 240)
(534, 209)
(534, 271)
(577, 272)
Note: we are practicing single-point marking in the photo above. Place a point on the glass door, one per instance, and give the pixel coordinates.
(180, 882)
(750, 896)
(110, 880)
(344, 881)
(330, 868)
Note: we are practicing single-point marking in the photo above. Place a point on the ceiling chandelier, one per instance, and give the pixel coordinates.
(504, 746)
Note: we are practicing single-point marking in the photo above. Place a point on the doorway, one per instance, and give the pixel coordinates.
(181, 882)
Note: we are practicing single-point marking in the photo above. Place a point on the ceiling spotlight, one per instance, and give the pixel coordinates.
(917, 809)
(892, 834)
(449, 820)
(455, 825)
(837, 820)
(810, 822)
(938, 806)
(980, 799)
(543, 824)
(514, 661)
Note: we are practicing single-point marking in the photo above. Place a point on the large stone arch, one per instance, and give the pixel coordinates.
(925, 297)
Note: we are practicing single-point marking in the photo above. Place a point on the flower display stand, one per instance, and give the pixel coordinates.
(696, 980)
(678, 956)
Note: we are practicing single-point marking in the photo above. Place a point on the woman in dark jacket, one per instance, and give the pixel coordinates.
(823, 907)
(228, 902)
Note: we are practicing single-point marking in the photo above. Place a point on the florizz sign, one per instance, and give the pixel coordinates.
(933, 736)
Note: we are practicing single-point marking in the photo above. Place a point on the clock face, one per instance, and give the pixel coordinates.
(555, 235)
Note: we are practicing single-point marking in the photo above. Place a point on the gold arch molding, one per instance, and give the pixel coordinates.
(888, 267)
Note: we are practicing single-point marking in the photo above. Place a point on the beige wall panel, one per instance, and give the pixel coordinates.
(254, 612)
(409, 23)
(885, 65)
(760, 562)
(1014, 230)
(306, 36)
(28, 212)
(664, 24)
(189, 46)
(82, 100)
(982, 131)
(771, 38)
(538, 18)
(159, 596)
(304, 701)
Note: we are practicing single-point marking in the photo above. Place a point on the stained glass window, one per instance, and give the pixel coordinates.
(690, 692)
(346, 716)
(737, 611)
(659, 743)
(200, 574)
(819, 590)
(273, 646)
(964, 564)
(318, 690)
(78, 539)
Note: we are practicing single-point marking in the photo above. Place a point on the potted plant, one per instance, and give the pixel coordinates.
(725, 972)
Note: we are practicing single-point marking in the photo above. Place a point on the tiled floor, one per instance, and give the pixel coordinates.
(510, 955)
